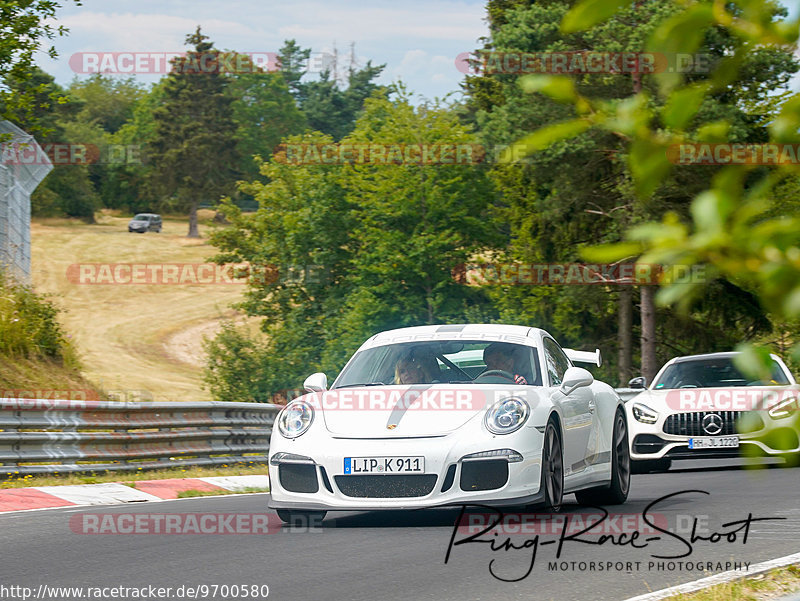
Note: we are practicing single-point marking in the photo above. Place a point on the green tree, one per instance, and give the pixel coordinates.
(264, 112)
(107, 101)
(25, 25)
(414, 225)
(734, 226)
(125, 185)
(192, 155)
(302, 224)
(372, 246)
(292, 62)
(68, 189)
(553, 209)
(334, 111)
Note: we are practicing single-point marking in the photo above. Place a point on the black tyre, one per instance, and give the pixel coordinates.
(305, 519)
(616, 492)
(645, 466)
(552, 468)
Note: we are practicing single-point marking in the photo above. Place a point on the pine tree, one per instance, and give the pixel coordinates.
(193, 151)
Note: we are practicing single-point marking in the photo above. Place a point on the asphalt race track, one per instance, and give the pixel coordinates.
(400, 555)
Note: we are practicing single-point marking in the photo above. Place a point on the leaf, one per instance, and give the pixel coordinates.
(608, 253)
(754, 361)
(680, 294)
(544, 137)
(680, 36)
(683, 105)
(590, 12)
(716, 131)
(649, 165)
(710, 210)
(792, 303)
(559, 88)
(784, 127)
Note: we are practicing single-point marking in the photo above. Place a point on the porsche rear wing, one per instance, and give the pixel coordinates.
(592, 358)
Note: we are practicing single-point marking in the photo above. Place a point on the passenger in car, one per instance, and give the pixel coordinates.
(500, 356)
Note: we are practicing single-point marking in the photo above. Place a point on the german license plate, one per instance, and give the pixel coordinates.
(384, 465)
(714, 442)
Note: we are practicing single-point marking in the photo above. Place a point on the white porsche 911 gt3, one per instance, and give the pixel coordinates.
(448, 415)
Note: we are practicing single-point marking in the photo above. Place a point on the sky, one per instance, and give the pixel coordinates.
(418, 40)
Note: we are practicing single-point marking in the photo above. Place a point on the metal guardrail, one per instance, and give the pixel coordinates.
(59, 436)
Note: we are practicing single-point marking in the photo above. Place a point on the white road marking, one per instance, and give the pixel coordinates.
(696, 585)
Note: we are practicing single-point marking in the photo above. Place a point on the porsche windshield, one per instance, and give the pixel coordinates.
(719, 372)
(434, 362)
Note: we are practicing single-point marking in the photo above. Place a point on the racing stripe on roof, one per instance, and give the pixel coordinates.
(452, 328)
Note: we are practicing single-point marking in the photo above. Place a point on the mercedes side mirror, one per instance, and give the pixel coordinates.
(639, 382)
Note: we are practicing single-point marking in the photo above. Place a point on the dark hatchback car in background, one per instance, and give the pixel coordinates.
(145, 222)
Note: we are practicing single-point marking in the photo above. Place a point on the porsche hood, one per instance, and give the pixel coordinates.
(407, 411)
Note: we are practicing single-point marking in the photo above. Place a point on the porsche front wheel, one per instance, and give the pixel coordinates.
(616, 492)
(552, 468)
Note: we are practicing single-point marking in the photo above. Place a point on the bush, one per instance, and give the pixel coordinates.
(28, 325)
(234, 371)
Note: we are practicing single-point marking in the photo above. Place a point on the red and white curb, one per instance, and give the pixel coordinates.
(696, 585)
(43, 497)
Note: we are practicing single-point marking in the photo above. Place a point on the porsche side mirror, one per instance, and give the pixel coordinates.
(575, 377)
(639, 382)
(317, 382)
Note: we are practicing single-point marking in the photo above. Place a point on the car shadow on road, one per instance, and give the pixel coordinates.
(710, 465)
(442, 517)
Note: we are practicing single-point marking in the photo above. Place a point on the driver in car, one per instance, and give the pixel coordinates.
(499, 356)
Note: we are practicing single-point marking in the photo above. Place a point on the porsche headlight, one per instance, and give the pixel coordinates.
(644, 414)
(506, 416)
(295, 419)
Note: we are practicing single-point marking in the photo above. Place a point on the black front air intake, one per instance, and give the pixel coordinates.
(298, 477)
(387, 486)
(484, 474)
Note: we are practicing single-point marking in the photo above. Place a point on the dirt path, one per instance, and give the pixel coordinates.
(184, 346)
(129, 336)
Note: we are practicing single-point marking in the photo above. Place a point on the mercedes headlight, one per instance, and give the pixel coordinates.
(784, 408)
(506, 416)
(644, 414)
(295, 419)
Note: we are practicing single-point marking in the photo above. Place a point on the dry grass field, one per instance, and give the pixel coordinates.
(131, 336)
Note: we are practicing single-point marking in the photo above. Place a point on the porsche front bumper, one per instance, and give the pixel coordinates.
(314, 478)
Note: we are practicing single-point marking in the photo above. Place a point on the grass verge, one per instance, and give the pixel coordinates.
(187, 494)
(249, 469)
(763, 587)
